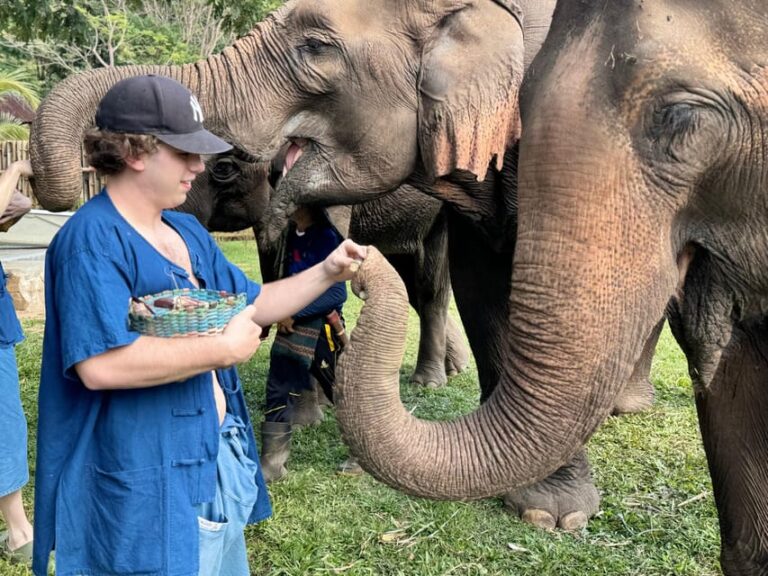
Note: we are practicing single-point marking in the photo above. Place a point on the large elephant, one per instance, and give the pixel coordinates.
(661, 143)
(643, 187)
(408, 227)
(373, 95)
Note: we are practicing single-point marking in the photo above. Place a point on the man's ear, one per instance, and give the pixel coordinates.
(136, 162)
(471, 71)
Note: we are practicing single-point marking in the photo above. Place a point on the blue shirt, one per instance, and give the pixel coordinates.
(10, 328)
(304, 251)
(120, 473)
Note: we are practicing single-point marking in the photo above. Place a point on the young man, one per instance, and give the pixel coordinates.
(146, 459)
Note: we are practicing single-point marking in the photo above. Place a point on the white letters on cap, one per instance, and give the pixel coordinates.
(197, 110)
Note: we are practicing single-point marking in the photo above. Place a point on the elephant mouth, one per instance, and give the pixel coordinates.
(294, 152)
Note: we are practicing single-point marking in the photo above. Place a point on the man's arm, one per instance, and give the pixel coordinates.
(283, 298)
(152, 361)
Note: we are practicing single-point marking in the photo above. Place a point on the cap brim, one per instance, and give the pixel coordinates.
(200, 142)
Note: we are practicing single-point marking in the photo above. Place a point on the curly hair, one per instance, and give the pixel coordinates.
(107, 151)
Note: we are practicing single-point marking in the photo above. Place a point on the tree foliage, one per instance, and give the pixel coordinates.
(239, 17)
(66, 36)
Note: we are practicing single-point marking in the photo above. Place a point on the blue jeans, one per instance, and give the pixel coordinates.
(222, 541)
(14, 472)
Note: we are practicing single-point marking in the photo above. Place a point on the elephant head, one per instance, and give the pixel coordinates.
(231, 194)
(368, 95)
(367, 92)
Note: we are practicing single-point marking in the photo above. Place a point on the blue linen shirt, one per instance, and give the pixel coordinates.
(120, 473)
(10, 328)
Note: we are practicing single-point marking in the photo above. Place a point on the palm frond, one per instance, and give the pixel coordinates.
(12, 129)
(19, 83)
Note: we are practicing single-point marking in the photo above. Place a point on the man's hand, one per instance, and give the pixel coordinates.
(342, 263)
(22, 168)
(285, 326)
(242, 335)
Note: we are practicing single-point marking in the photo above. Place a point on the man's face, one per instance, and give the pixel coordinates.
(168, 174)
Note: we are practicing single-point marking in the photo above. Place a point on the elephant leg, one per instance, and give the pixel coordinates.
(430, 362)
(456, 350)
(443, 351)
(566, 499)
(480, 277)
(733, 412)
(638, 392)
(425, 273)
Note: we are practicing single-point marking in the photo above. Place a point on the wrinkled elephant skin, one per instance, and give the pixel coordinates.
(644, 161)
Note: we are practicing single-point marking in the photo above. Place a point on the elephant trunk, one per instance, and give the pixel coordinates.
(57, 134)
(564, 365)
(524, 431)
(225, 88)
(594, 267)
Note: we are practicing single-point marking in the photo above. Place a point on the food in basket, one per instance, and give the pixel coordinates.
(184, 312)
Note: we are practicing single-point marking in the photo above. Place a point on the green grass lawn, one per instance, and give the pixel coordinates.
(657, 516)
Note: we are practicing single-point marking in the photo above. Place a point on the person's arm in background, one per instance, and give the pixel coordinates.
(331, 299)
(10, 178)
(285, 297)
(324, 241)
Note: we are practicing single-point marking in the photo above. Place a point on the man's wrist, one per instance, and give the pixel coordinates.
(224, 351)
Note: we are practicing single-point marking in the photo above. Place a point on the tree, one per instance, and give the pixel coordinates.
(16, 84)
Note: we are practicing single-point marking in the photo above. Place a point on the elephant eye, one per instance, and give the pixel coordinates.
(313, 46)
(225, 170)
(674, 126)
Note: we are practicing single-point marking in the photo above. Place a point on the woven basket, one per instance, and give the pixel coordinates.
(185, 312)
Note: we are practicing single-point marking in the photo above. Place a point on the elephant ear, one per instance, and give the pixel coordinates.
(471, 70)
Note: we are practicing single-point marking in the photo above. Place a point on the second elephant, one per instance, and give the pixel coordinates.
(407, 226)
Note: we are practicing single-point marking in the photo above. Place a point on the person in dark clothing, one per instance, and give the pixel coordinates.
(306, 343)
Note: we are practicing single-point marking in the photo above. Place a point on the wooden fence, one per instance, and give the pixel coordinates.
(12, 150)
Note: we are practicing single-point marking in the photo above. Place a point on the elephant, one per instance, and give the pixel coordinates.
(660, 140)
(372, 96)
(233, 193)
(642, 189)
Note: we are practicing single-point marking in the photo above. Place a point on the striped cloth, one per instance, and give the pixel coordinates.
(300, 344)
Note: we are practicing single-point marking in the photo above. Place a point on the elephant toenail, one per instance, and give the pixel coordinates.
(573, 521)
(539, 518)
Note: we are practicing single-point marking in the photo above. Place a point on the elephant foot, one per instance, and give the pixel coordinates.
(636, 397)
(566, 499)
(456, 349)
(306, 411)
(429, 374)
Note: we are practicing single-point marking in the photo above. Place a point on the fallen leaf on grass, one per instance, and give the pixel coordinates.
(392, 536)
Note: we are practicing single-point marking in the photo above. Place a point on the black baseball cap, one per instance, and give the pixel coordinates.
(160, 106)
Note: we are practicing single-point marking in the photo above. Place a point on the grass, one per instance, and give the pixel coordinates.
(657, 516)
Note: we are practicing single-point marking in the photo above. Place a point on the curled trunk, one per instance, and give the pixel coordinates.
(555, 390)
(225, 91)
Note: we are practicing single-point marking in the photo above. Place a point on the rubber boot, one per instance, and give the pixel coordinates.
(275, 449)
(306, 411)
